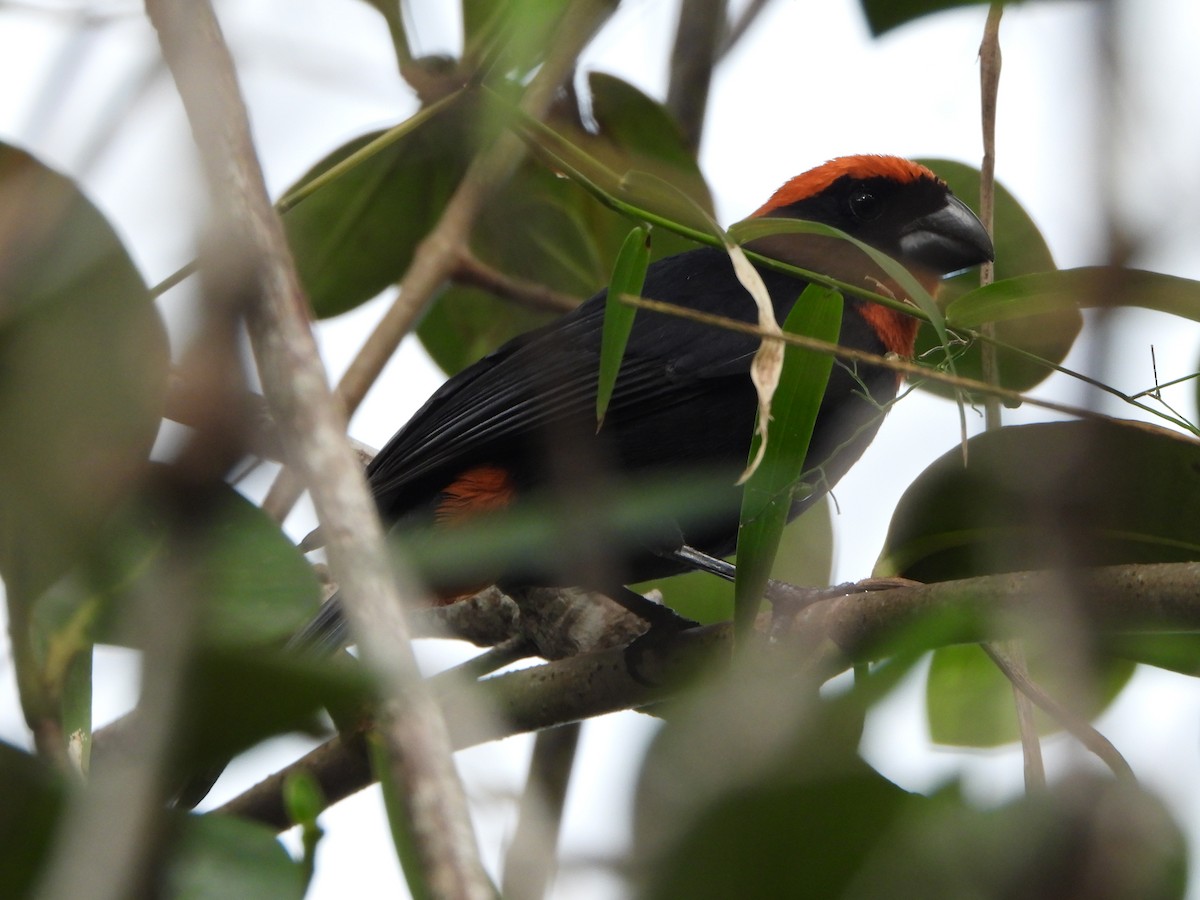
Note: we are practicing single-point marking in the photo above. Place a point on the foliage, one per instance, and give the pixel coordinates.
(92, 534)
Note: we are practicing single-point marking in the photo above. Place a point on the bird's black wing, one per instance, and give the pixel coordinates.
(550, 375)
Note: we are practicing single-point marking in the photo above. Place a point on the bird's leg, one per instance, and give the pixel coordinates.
(658, 616)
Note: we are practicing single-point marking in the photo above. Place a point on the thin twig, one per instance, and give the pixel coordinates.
(914, 371)
(530, 862)
(1084, 732)
(312, 430)
(474, 272)
(989, 83)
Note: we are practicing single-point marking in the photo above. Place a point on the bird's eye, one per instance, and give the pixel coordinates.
(864, 205)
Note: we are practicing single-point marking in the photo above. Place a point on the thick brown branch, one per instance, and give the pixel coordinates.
(312, 431)
(1152, 598)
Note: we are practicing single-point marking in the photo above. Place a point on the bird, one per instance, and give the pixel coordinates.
(522, 420)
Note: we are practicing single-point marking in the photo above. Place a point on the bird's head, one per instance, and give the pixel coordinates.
(893, 204)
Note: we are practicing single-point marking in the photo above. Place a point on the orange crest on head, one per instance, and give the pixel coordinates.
(814, 181)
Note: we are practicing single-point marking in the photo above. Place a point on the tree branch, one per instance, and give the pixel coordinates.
(312, 430)
(474, 272)
(856, 627)
(435, 258)
(701, 26)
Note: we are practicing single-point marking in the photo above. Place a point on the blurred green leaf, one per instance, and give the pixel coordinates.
(33, 799)
(83, 376)
(357, 235)
(768, 493)
(1047, 496)
(1020, 250)
(219, 857)
(259, 587)
(629, 274)
(1045, 845)
(237, 697)
(635, 133)
(777, 839)
(1174, 652)
(262, 587)
(509, 37)
(779, 803)
(546, 535)
(805, 557)
(969, 702)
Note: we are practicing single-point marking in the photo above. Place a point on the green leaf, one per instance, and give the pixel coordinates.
(217, 857)
(533, 229)
(357, 234)
(1047, 293)
(805, 557)
(237, 697)
(510, 37)
(1052, 495)
(1042, 845)
(33, 799)
(774, 840)
(1020, 250)
(781, 805)
(767, 495)
(83, 376)
(1173, 652)
(550, 230)
(970, 703)
(629, 274)
(884, 15)
(258, 586)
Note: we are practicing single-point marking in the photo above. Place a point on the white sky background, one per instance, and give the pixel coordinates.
(806, 84)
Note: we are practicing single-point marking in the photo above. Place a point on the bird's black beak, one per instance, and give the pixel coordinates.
(947, 240)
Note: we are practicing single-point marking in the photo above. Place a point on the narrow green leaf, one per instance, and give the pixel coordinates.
(767, 496)
(1047, 496)
(629, 274)
(752, 229)
(305, 801)
(1045, 293)
(556, 232)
